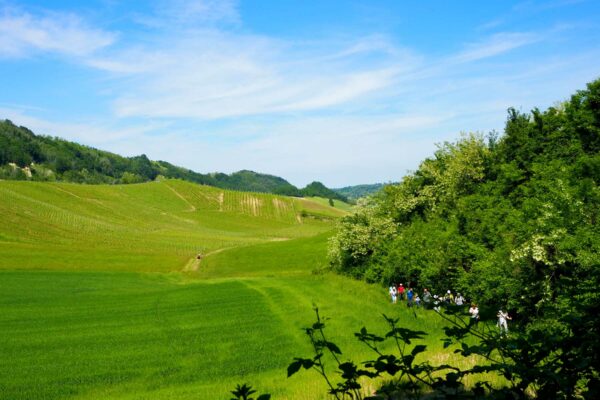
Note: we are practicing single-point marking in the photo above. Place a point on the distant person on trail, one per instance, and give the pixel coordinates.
(418, 301)
(448, 298)
(426, 297)
(401, 292)
(409, 297)
(459, 300)
(474, 311)
(502, 321)
(393, 293)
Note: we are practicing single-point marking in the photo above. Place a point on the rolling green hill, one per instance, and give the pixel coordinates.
(336, 203)
(157, 226)
(27, 156)
(317, 189)
(102, 296)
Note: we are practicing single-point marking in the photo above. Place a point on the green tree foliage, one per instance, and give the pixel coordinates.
(317, 189)
(510, 222)
(56, 159)
(353, 193)
(255, 182)
(243, 392)
(359, 238)
(530, 364)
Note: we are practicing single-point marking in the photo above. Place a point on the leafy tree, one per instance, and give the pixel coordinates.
(129, 178)
(358, 238)
(512, 222)
(317, 189)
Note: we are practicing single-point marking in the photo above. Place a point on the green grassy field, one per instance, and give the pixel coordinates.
(336, 203)
(101, 294)
(151, 227)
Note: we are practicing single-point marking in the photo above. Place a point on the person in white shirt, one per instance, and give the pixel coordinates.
(393, 293)
(503, 317)
(459, 300)
(474, 311)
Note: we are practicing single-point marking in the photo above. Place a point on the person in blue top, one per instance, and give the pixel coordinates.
(409, 297)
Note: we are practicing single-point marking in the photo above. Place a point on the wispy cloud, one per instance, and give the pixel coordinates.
(303, 149)
(192, 80)
(202, 11)
(102, 134)
(22, 33)
(211, 74)
(190, 13)
(495, 45)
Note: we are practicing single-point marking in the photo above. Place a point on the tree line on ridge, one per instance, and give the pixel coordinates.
(26, 156)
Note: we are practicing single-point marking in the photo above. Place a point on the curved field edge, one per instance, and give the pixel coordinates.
(94, 304)
(131, 335)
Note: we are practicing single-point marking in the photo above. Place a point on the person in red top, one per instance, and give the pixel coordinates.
(401, 292)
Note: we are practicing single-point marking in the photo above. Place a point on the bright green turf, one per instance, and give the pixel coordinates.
(336, 203)
(94, 303)
(155, 335)
(156, 226)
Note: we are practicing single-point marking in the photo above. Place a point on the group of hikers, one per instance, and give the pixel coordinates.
(435, 302)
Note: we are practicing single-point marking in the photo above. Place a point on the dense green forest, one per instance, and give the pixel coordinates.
(26, 156)
(512, 223)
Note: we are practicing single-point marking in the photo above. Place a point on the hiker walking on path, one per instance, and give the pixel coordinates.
(418, 301)
(448, 298)
(426, 297)
(474, 311)
(401, 292)
(503, 317)
(459, 300)
(393, 293)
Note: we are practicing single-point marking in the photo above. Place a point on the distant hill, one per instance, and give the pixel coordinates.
(354, 193)
(251, 181)
(317, 189)
(27, 156)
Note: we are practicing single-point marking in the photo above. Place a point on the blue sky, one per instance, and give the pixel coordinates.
(345, 92)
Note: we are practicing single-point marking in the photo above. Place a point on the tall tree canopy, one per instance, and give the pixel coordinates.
(510, 222)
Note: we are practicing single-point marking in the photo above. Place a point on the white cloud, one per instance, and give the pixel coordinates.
(103, 135)
(209, 74)
(303, 149)
(203, 10)
(23, 33)
(344, 111)
(190, 13)
(495, 45)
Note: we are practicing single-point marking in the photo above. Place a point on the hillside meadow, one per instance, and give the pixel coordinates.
(102, 294)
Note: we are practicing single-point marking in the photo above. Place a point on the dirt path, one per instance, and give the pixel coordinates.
(194, 264)
(67, 192)
(192, 207)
